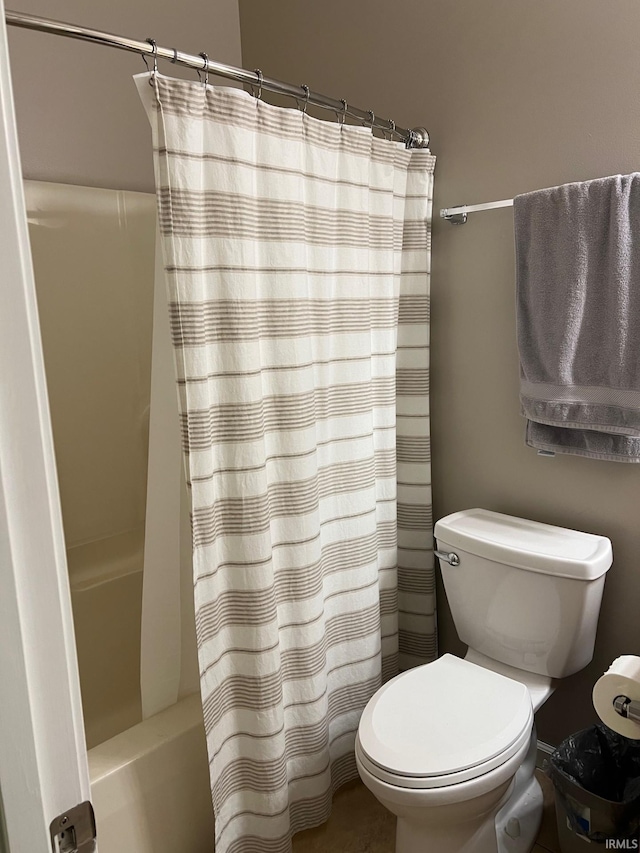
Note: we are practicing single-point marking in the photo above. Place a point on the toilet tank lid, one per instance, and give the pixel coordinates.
(526, 544)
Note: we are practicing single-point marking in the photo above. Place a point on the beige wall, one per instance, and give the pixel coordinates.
(517, 95)
(80, 120)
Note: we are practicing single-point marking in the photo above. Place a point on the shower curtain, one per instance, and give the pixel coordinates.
(296, 254)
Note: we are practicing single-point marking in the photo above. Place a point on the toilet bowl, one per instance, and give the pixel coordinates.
(440, 746)
(450, 747)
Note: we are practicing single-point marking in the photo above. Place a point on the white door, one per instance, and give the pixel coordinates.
(43, 757)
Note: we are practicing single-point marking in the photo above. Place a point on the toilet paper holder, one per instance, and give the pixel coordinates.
(627, 708)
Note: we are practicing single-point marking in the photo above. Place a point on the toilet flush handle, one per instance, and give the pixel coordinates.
(450, 558)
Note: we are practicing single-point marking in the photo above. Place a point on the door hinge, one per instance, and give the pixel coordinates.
(74, 831)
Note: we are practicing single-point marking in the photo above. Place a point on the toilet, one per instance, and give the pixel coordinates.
(450, 747)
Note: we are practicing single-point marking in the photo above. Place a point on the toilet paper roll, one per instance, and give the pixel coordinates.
(621, 679)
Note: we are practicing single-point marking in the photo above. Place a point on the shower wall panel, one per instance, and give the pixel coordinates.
(93, 256)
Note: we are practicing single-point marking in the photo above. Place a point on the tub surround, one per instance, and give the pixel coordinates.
(93, 257)
(106, 596)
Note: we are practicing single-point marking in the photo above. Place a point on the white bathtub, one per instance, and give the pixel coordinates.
(150, 785)
(149, 779)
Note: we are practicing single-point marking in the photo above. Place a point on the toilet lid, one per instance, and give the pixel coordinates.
(443, 718)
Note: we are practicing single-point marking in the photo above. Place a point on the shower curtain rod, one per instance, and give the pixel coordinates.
(413, 138)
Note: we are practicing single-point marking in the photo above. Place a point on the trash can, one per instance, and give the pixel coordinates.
(596, 778)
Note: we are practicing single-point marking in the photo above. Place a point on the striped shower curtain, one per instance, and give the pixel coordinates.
(297, 264)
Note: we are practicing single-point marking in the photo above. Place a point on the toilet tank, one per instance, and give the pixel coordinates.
(524, 593)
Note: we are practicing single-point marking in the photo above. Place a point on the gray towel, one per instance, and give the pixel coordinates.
(578, 317)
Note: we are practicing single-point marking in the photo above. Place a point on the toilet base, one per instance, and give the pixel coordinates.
(517, 823)
(510, 823)
(519, 811)
(453, 834)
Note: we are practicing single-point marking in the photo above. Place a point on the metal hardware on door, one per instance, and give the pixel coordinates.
(450, 558)
(74, 831)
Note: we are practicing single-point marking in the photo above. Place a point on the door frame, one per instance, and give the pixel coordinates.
(43, 756)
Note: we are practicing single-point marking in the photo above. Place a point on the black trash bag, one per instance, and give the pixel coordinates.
(606, 764)
(601, 761)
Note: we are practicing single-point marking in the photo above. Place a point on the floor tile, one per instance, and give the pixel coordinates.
(358, 824)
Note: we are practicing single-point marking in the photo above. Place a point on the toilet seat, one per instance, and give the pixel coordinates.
(443, 723)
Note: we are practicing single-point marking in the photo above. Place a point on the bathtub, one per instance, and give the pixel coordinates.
(149, 779)
(150, 785)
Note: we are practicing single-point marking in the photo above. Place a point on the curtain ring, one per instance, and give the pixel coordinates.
(153, 73)
(306, 98)
(205, 68)
(372, 118)
(260, 79)
(341, 115)
(392, 128)
(175, 55)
